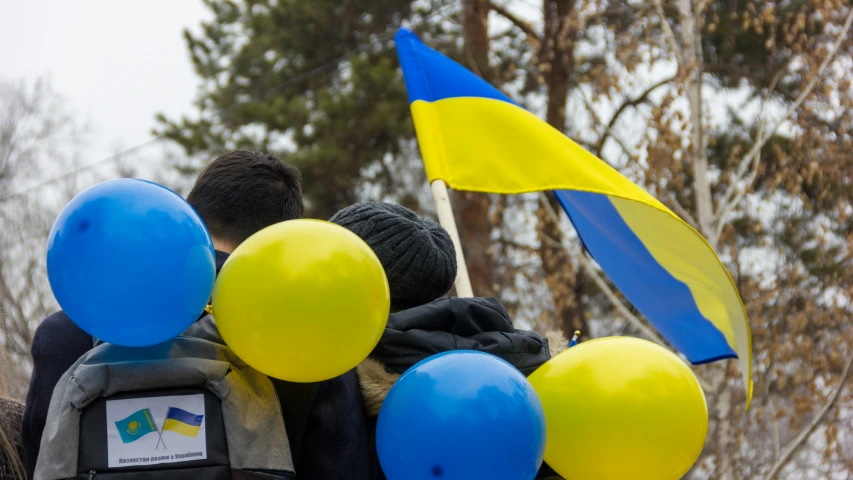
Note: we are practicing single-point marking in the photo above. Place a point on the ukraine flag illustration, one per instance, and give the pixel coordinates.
(136, 426)
(475, 138)
(182, 422)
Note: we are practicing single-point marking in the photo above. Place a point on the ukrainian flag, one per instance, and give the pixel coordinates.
(136, 426)
(182, 422)
(475, 138)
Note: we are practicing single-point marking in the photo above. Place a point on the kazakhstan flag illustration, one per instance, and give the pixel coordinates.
(182, 422)
(136, 426)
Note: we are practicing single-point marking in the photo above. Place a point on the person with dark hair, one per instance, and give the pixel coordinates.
(420, 261)
(237, 195)
(243, 192)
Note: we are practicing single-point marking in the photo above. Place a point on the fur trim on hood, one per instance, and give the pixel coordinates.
(375, 381)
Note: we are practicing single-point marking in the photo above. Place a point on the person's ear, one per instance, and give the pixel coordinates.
(222, 245)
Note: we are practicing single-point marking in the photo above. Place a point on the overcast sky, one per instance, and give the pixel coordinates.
(117, 62)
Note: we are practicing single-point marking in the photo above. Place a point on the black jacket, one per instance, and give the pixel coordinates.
(449, 324)
(458, 324)
(325, 422)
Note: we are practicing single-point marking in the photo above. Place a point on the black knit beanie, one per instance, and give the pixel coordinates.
(417, 253)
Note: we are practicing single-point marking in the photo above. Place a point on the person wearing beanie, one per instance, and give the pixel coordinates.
(416, 252)
(420, 262)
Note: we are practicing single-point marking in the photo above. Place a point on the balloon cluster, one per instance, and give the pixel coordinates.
(132, 264)
(613, 408)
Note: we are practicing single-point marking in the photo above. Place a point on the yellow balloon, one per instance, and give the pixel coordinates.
(302, 300)
(621, 408)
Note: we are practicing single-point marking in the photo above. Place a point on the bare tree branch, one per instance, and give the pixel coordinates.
(681, 211)
(617, 303)
(35, 127)
(691, 65)
(720, 218)
(622, 108)
(9, 299)
(532, 37)
(737, 185)
(635, 8)
(668, 34)
(598, 122)
(762, 121)
(774, 425)
(800, 440)
(720, 221)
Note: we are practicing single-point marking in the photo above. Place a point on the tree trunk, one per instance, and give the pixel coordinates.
(691, 64)
(725, 439)
(472, 212)
(473, 208)
(565, 280)
(475, 34)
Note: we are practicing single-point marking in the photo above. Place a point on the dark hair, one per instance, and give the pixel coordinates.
(242, 192)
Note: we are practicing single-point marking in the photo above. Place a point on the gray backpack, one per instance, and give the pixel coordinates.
(186, 408)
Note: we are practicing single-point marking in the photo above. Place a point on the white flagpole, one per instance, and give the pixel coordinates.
(445, 217)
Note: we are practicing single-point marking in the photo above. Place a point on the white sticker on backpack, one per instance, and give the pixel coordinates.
(147, 431)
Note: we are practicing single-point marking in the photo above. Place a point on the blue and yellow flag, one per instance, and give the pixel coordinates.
(475, 138)
(136, 426)
(182, 422)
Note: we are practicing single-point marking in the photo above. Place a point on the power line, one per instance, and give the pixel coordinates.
(82, 168)
(259, 96)
(313, 72)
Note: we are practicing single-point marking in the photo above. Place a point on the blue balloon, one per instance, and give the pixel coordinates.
(461, 415)
(130, 262)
